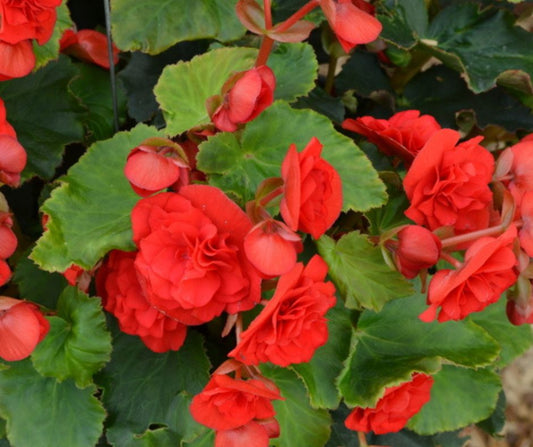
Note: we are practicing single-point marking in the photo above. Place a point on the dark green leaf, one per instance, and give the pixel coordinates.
(300, 424)
(363, 74)
(471, 393)
(393, 343)
(44, 135)
(495, 422)
(89, 214)
(404, 22)
(78, 343)
(319, 101)
(43, 412)
(238, 167)
(359, 271)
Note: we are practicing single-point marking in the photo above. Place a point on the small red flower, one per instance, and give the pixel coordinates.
(352, 21)
(448, 184)
(5, 127)
(226, 403)
(8, 240)
(489, 269)
(244, 96)
(403, 135)
(122, 296)
(398, 405)
(22, 327)
(312, 198)
(12, 160)
(89, 46)
(418, 249)
(292, 325)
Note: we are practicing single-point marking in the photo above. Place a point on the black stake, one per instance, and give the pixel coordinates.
(111, 63)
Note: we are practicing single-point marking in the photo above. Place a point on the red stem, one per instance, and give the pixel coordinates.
(305, 9)
(264, 51)
(268, 14)
(447, 257)
(271, 196)
(491, 231)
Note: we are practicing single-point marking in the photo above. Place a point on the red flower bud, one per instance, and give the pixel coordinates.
(12, 160)
(89, 46)
(418, 249)
(22, 327)
(245, 95)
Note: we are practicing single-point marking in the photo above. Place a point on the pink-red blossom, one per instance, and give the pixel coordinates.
(89, 46)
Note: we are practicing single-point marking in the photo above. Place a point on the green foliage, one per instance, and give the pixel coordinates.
(152, 26)
(41, 411)
(26, 98)
(78, 344)
(89, 213)
(358, 269)
(238, 165)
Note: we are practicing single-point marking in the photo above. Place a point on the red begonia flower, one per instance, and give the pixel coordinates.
(5, 272)
(521, 170)
(89, 46)
(150, 169)
(526, 231)
(22, 327)
(244, 96)
(16, 60)
(399, 404)
(403, 135)
(292, 325)
(28, 19)
(312, 198)
(8, 240)
(272, 247)
(5, 127)
(351, 24)
(12, 160)
(122, 296)
(418, 249)
(251, 434)
(226, 403)
(489, 269)
(448, 184)
(191, 261)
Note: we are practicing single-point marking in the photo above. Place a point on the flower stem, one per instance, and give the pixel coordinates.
(271, 196)
(264, 51)
(268, 14)
(332, 66)
(449, 258)
(467, 237)
(305, 9)
(362, 439)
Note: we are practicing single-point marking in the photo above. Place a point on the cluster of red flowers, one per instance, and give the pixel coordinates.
(448, 185)
(20, 24)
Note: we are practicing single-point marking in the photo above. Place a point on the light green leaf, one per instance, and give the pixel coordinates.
(78, 344)
(43, 412)
(320, 374)
(238, 167)
(89, 213)
(359, 271)
(393, 343)
(300, 424)
(44, 135)
(152, 26)
(50, 50)
(183, 88)
(472, 394)
(144, 388)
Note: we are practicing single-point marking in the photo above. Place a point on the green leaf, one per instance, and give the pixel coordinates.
(461, 32)
(238, 167)
(152, 26)
(359, 271)
(50, 50)
(44, 135)
(513, 340)
(320, 374)
(37, 285)
(90, 211)
(494, 424)
(78, 344)
(472, 394)
(390, 345)
(300, 424)
(144, 388)
(404, 22)
(184, 87)
(93, 88)
(295, 67)
(319, 101)
(41, 411)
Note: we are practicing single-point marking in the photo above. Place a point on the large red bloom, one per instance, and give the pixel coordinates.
(292, 325)
(244, 96)
(312, 197)
(448, 185)
(489, 269)
(403, 135)
(398, 405)
(352, 21)
(226, 403)
(22, 327)
(122, 296)
(191, 262)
